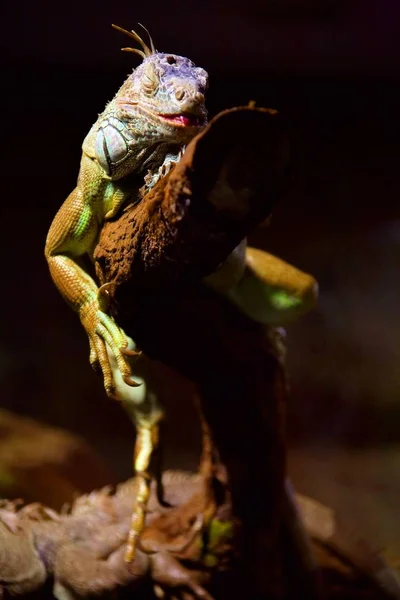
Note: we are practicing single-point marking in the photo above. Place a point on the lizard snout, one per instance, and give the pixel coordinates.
(188, 94)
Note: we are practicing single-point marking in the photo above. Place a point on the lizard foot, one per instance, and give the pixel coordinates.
(103, 331)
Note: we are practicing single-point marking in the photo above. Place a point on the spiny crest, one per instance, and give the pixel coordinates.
(146, 50)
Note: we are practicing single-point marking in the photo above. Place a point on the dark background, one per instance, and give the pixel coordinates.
(332, 68)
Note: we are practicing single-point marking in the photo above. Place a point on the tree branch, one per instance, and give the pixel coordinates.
(157, 252)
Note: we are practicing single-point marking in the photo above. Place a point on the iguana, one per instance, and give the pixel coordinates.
(136, 140)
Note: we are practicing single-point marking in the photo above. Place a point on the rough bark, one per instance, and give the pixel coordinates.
(226, 183)
(80, 554)
(156, 254)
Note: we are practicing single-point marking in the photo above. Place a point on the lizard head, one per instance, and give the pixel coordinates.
(167, 91)
(157, 111)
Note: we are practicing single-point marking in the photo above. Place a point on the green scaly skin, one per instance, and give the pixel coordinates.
(136, 140)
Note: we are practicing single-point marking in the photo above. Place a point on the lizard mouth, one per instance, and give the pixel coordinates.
(184, 119)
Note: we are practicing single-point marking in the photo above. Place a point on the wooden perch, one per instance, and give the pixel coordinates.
(156, 254)
(80, 554)
(226, 183)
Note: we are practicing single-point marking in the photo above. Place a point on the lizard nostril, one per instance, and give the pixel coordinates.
(180, 93)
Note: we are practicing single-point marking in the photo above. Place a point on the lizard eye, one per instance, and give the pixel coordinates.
(171, 60)
(149, 81)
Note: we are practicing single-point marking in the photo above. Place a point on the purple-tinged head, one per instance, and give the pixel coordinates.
(168, 89)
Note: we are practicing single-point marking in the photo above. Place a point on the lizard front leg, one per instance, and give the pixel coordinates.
(73, 234)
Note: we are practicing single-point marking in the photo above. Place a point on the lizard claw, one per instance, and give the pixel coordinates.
(133, 353)
(131, 382)
(103, 332)
(103, 295)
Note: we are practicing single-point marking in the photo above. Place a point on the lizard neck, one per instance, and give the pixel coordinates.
(137, 146)
(161, 160)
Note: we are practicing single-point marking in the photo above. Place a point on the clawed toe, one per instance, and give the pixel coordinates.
(131, 382)
(132, 353)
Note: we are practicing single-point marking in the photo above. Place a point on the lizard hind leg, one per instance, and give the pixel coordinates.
(146, 442)
(145, 412)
